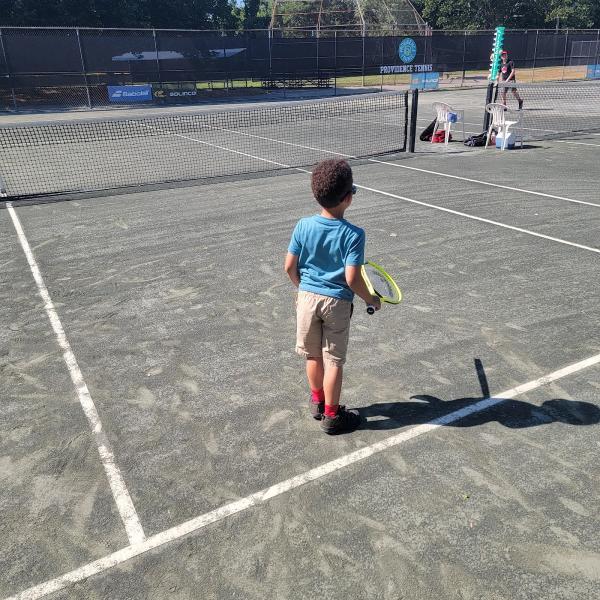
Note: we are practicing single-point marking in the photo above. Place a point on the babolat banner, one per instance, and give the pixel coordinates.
(175, 92)
(410, 57)
(129, 94)
(593, 72)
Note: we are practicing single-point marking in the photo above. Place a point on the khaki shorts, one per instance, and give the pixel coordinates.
(323, 327)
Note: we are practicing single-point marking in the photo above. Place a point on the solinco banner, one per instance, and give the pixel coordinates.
(175, 92)
(407, 53)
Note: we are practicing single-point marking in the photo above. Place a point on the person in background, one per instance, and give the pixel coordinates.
(507, 74)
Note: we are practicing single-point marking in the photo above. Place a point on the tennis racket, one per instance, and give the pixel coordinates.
(380, 283)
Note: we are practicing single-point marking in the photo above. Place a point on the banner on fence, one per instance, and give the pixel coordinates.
(425, 81)
(593, 72)
(408, 51)
(129, 94)
(175, 92)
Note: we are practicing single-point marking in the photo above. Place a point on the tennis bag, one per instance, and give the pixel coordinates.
(428, 132)
(476, 140)
(439, 137)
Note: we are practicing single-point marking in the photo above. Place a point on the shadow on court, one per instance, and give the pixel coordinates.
(514, 414)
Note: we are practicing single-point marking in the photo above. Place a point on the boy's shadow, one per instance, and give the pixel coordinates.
(510, 413)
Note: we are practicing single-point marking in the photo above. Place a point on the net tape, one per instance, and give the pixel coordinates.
(99, 154)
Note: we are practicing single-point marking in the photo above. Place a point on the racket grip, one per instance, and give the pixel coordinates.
(370, 309)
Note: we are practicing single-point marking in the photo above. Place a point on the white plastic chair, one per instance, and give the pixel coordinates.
(498, 122)
(442, 112)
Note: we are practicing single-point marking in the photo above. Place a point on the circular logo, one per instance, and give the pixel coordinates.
(407, 50)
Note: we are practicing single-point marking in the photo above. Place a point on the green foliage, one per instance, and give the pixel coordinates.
(256, 14)
(573, 13)
(194, 14)
(226, 14)
(487, 14)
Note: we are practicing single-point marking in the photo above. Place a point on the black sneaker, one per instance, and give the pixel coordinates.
(344, 422)
(316, 409)
(520, 104)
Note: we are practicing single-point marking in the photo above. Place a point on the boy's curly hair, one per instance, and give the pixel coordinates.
(331, 182)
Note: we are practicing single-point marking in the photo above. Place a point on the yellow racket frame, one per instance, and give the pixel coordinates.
(388, 278)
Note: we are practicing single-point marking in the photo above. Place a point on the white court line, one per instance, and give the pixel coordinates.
(382, 162)
(174, 533)
(129, 516)
(552, 131)
(191, 139)
(488, 183)
(481, 219)
(428, 205)
(576, 143)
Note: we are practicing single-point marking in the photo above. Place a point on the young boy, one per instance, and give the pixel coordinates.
(324, 260)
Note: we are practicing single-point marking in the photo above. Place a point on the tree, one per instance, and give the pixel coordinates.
(522, 14)
(580, 14)
(483, 14)
(198, 14)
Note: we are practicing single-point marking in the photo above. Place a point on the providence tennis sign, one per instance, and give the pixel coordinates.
(407, 52)
(388, 69)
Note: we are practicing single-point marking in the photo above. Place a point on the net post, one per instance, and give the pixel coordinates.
(3, 190)
(83, 69)
(488, 98)
(414, 108)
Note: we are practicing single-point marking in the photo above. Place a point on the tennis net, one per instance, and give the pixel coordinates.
(102, 154)
(555, 109)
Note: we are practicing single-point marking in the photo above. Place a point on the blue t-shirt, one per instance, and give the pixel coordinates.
(325, 247)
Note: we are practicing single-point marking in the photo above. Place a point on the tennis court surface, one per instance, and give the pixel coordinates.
(155, 439)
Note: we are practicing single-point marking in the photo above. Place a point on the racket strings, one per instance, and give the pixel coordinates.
(380, 284)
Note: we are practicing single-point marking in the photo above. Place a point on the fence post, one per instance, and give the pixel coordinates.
(156, 51)
(462, 81)
(335, 63)
(363, 58)
(84, 70)
(270, 52)
(12, 89)
(227, 72)
(537, 35)
(318, 71)
(565, 55)
(381, 64)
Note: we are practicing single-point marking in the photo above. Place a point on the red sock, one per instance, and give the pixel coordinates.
(317, 395)
(331, 410)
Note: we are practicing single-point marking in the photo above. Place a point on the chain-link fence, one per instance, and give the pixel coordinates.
(87, 68)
